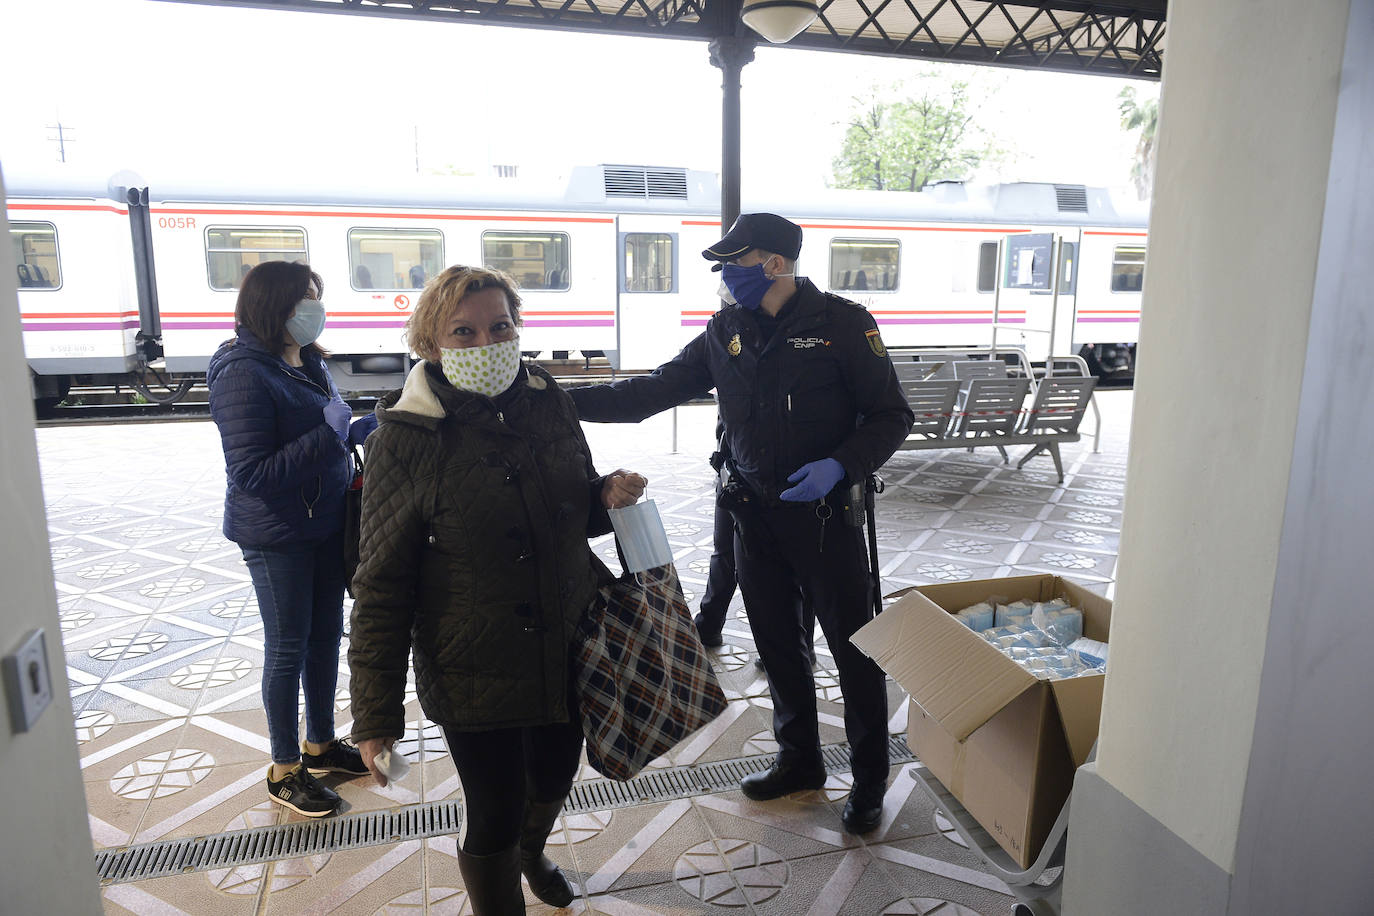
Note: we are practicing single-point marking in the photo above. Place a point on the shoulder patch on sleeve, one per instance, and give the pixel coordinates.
(841, 300)
(875, 342)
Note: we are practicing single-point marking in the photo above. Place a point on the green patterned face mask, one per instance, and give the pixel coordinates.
(485, 370)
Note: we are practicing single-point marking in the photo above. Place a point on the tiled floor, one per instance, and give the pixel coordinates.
(164, 656)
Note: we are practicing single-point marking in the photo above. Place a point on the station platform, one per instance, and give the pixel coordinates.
(164, 660)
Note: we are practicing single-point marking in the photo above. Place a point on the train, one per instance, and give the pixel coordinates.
(126, 281)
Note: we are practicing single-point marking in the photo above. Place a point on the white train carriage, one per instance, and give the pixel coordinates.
(609, 264)
(74, 264)
(927, 265)
(376, 248)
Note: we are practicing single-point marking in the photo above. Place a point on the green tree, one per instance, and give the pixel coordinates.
(1144, 117)
(898, 139)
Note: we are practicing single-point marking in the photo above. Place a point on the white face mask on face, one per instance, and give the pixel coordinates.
(307, 322)
(724, 294)
(487, 370)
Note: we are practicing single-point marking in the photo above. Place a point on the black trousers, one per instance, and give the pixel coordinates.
(779, 551)
(720, 581)
(502, 768)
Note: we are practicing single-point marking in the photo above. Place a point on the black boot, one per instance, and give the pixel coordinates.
(493, 882)
(546, 879)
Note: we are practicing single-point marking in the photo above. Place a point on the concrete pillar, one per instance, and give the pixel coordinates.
(47, 862)
(1233, 771)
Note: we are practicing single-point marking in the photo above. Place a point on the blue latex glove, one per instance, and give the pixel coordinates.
(361, 429)
(813, 480)
(338, 414)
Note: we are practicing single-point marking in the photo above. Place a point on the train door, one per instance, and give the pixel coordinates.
(1037, 298)
(1108, 320)
(649, 292)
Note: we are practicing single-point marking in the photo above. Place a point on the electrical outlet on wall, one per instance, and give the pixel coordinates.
(27, 683)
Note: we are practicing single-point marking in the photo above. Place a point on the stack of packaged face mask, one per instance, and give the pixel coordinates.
(1012, 615)
(1064, 624)
(1044, 637)
(1091, 651)
(1016, 637)
(977, 618)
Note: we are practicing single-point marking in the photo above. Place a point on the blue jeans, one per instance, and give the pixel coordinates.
(300, 597)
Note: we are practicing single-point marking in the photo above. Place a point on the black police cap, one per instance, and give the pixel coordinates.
(767, 231)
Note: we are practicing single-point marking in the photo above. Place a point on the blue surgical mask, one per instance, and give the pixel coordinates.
(748, 284)
(306, 323)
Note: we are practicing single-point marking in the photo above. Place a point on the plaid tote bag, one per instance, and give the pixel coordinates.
(644, 682)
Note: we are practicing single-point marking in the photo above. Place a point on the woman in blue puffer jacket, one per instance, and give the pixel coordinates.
(286, 433)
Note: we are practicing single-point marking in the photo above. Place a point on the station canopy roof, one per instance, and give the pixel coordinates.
(1123, 38)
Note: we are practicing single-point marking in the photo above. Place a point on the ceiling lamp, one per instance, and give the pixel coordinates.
(778, 21)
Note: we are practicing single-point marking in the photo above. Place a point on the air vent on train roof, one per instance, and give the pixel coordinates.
(652, 184)
(1071, 198)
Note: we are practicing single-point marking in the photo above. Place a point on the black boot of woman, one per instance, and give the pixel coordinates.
(546, 879)
(493, 882)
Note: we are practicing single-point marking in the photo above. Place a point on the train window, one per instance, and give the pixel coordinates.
(394, 258)
(648, 262)
(864, 264)
(1068, 265)
(987, 267)
(1128, 268)
(232, 251)
(35, 255)
(537, 260)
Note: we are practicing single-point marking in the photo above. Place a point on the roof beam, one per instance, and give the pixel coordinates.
(1106, 37)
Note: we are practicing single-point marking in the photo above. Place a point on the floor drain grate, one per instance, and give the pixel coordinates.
(283, 841)
(700, 779)
(163, 858)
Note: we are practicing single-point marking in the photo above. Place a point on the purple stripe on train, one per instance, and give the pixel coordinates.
(588, 323)
(1108, 320)
(229, 325)
(882, 321)
(696, 323)
(82, 326)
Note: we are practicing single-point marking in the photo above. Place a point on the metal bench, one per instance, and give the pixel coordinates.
(991, 410)
(1055, 415)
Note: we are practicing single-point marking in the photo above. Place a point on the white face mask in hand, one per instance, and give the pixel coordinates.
(485, 370)
(639, 529)
(392, 764)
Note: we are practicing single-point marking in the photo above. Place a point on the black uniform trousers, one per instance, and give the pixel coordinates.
(779, 550)
(720, 578)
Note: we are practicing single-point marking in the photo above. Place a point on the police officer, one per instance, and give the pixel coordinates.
(810, 403)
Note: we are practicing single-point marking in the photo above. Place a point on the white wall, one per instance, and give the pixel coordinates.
(46, 858)
(1244, 145)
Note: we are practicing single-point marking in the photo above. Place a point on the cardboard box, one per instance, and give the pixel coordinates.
(1003, 742)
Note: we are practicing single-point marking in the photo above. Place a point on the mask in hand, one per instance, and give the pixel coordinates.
(748, 284)
(485, 370)
(307, 322)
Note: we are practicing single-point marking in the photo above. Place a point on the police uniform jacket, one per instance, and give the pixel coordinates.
(822, 386)
(474, 555)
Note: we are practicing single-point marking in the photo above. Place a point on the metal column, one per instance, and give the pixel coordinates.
(730, 53)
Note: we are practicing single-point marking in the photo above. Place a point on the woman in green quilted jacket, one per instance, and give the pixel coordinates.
(479, 499)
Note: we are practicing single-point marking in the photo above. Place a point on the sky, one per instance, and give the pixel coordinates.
(159, 87)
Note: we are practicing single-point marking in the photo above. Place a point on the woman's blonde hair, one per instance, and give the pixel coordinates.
(442, 295)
